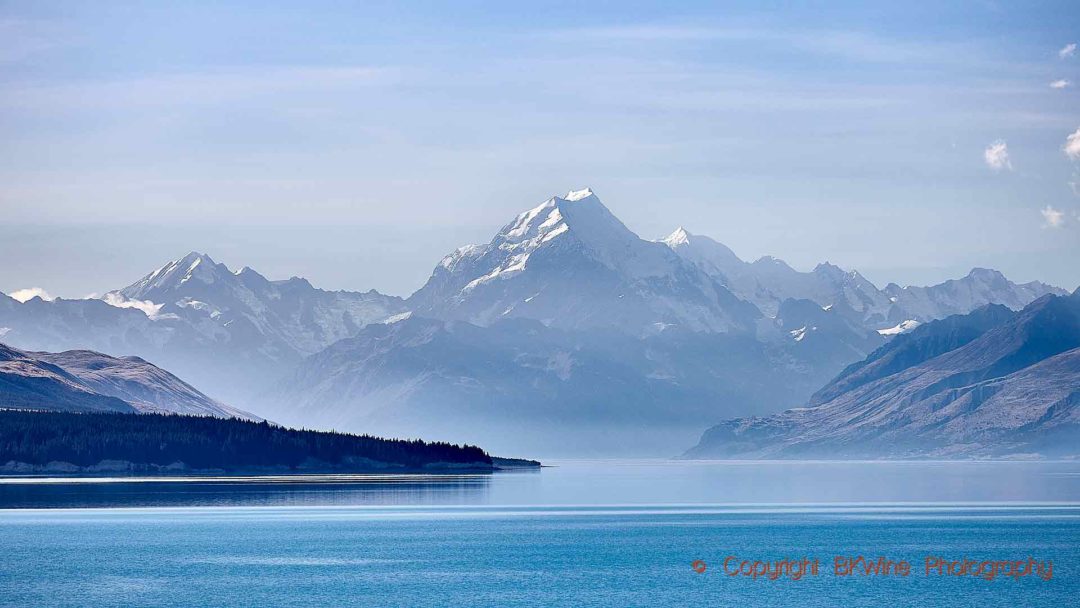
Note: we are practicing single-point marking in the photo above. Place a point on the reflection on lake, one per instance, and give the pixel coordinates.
(600, 482)
(244, 491)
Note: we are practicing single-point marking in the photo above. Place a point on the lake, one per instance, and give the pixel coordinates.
(583, 533)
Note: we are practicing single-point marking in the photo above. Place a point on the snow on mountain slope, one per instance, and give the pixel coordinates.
(62, 324)
(570, 263)
(303, 318)
(902, 327)
(824, 334)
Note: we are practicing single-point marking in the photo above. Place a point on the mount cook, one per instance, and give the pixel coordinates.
(565, 333)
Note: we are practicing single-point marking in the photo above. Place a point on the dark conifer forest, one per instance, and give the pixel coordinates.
(86, 439)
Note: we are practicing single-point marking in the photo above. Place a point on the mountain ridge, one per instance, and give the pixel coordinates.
(768, 281)
(88, 381)
(1011, 382)
(29, 383)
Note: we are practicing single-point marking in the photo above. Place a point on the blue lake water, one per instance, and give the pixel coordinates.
(579, 534)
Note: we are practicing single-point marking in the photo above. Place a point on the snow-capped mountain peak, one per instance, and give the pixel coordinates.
(579, 209)
(586, 220)
(713, 256)
(610, 241)
(194, 266)
(577, 195)
(677, 238)
(562, 261)
(286, 318)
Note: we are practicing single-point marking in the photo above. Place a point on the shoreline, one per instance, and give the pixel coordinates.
(130, 470)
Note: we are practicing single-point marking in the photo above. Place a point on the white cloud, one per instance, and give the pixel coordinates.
(1068, 50)
(1052, 218)
(1072, 145)
(25, 295)
(1059, 84)
(149, 308)
(996, 156)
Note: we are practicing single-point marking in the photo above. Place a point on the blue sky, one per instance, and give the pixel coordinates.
(357, 143)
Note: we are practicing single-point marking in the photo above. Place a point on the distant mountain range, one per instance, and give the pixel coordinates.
(282, 319)
(232, 333)
(989, 383)
(565, 333)
(87, 381)
(769, 281)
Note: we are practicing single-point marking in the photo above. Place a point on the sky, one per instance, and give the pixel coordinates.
(355, 144)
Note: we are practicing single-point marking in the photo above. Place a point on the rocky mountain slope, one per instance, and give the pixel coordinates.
(29, 383)
(145, 386)
(989, 383)
(91, 381)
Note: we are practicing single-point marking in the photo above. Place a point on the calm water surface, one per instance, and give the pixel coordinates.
(585, 533)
